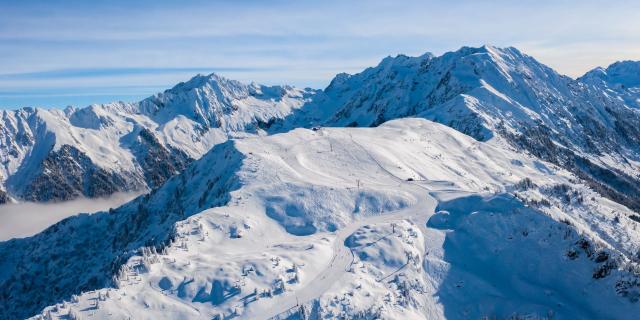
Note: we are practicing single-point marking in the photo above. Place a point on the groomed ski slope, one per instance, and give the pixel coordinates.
(408, 220)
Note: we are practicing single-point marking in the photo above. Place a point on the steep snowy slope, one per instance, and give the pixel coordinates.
(101, 149)
(409, 219)
(488, 91)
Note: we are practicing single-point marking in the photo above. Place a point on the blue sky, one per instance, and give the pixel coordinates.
(57, 53)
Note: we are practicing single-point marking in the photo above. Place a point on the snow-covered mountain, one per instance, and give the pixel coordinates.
(50, 154)
(491, 186)
(622, 77)
(411, 219)
(490, 91)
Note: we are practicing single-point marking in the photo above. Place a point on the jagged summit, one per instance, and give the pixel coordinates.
(403, 86)
(131, 146)
(215, 101)
(231, 89)
(201, 80)
(228, 88)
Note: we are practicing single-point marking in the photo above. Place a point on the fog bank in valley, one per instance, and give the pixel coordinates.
(20, 220)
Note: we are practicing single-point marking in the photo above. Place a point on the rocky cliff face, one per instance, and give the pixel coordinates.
(159, 163)
(68, 173)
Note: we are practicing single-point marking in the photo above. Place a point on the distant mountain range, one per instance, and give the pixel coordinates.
(54, 155)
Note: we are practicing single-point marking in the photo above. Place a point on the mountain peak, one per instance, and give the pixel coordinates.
(485, 48)
(200, 81)
(620, 73)
(627, 73)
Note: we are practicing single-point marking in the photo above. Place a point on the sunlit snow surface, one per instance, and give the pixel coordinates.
(411, 219)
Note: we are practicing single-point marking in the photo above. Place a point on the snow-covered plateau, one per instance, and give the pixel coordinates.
(479, 184)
